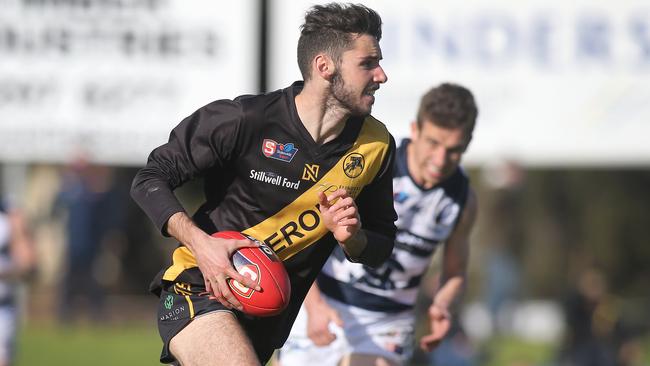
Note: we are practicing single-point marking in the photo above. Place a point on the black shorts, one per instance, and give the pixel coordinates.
(180, 303)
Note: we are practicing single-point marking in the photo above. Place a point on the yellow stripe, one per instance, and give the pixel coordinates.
(189, 303)
(301, 218)
(182, 259)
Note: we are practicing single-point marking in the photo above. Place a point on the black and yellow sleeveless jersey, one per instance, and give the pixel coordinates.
(262, 172)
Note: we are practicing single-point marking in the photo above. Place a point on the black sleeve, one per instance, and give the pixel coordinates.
(205, 140)
(378, 215)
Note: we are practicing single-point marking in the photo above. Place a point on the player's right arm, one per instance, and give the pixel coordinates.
(319, 317)
(213, 258)
(205, 140)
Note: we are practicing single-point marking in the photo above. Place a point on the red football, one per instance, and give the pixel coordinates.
(263, 265)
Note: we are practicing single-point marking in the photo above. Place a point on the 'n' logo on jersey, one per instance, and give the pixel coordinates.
(353, 165)
(274, 150)
(310, 172)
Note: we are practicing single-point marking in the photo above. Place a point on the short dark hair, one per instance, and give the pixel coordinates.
(332, 28)
(449, 106)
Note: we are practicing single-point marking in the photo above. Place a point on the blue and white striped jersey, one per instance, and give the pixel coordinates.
(426, 218)
(7, 289)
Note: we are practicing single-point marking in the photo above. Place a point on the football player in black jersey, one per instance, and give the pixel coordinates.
(358, 315)
(304, 169)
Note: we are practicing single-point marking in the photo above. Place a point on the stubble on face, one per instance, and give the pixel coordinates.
(345, 97)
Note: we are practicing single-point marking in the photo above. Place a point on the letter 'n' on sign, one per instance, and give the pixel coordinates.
(310, 172)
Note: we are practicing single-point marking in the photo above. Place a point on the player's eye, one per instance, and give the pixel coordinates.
(370, 64)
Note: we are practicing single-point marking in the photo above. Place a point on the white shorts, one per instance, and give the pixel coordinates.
(8, 322)
(389, 335)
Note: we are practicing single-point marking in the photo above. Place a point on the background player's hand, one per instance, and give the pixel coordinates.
(318, 321)
(213, 256)
(440, 322)
(340, 214)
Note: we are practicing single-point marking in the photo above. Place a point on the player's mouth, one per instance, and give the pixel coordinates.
(433, 171)
(370, 92)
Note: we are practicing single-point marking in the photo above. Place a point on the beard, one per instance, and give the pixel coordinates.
(345, 97)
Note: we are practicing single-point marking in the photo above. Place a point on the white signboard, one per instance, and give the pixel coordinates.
(113, 77)
(557, 82)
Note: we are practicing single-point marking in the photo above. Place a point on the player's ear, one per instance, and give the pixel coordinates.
(324, 66)
(415, 130)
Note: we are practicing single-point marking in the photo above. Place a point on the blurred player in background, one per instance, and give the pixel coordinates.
(17, 264)
(357, 315)
(304, 169)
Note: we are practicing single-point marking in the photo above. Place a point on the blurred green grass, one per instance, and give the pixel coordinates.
(88, 345)
(505, 351)
(139, 344)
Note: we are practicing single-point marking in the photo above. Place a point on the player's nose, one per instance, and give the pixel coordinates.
(380, 75)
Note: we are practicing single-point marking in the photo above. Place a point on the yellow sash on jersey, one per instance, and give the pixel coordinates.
(298, 225)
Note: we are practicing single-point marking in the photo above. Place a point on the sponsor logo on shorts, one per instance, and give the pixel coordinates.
(353, 165)
(274, 150)
(169, 302)
(173, 314)
(176, 309)
(274, 179)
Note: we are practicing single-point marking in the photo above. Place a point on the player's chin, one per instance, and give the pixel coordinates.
(364, 107)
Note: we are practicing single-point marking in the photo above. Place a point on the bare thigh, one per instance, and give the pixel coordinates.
(357, 359)
(213, 339)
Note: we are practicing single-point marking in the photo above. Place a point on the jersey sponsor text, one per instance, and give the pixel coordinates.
(275, 179)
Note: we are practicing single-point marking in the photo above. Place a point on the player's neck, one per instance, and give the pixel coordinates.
(323, 121)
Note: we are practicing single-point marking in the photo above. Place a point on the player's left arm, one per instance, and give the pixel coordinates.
(453, 277)
(365, 227)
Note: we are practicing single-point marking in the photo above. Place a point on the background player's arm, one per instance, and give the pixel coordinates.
(319, 316)
(453, 278)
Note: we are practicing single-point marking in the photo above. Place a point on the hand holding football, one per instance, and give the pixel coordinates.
(262, 265)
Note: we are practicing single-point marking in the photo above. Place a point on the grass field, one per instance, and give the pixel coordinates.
(140, 345)
(97, 346)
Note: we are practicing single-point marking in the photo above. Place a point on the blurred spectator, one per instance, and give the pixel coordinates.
(90, 199)
(595, 328)
(17, 263)
(506, 179)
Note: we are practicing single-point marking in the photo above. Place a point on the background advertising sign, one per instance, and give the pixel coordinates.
(113, 77)
(557, 83)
